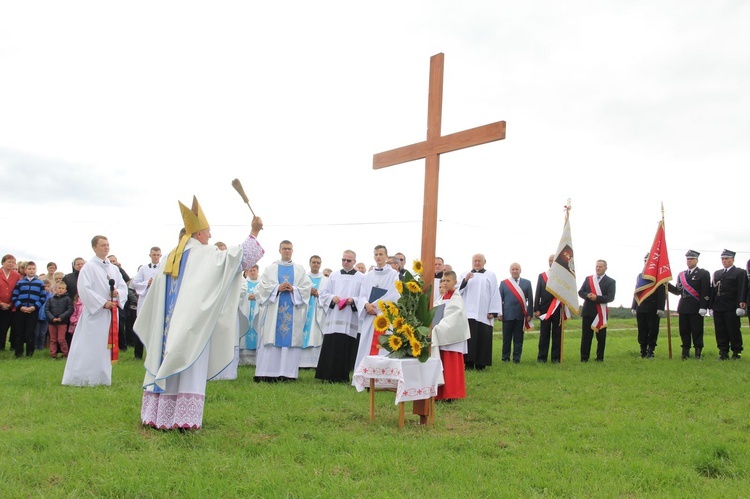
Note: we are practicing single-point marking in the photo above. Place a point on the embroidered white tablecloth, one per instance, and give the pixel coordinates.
(412, 380)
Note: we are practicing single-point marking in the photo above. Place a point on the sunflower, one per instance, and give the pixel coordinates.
(407, 331)
(393, 309)
(416, 348)
(417, 267)
(398, 323)
(414, 287)
(381, 323)
(400, 287)
(382, 306)
(394, 341)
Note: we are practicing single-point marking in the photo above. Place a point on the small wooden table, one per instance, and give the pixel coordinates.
(409, 378)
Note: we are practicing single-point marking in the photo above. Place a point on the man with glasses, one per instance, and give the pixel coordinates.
(729, 304)
(337, 297)
(401, 262)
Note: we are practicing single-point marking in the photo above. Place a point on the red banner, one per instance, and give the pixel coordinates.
(656, 271)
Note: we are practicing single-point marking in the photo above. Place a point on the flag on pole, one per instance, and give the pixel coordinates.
(561, 282)
(656, 271)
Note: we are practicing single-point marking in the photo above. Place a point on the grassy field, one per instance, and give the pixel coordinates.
(625, 427)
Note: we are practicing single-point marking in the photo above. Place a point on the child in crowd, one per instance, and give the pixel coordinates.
(28, 298)
(41, 325)
(59, 310)
(58, 277)
(77, 309)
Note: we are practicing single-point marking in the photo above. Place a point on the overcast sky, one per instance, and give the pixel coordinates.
(111, 112)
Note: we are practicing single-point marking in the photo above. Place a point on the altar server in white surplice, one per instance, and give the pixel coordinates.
(283, 294)
(451, 337)
(481, 294)
(378, 284)
(90, 359)
(312, 338)
(188, 321)
(338, 296)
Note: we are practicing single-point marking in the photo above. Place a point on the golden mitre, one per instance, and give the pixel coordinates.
(194, 220)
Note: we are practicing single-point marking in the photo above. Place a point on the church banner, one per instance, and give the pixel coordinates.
(656, 271)
(561, 282)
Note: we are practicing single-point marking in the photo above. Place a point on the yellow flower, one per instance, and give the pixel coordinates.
(381, 323)
(416, 348)
(398, 323)
(407, 331)
(382, 306)
(393, 309)
(414, 287)
(400, 287)
(418, 268)
(394, 342)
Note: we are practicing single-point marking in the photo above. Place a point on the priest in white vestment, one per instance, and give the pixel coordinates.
(378, 284)
(188, 322)
(249, 341)
(312, 334)
(283, 294)
(241, 326)
(90, 358)
(338, 298)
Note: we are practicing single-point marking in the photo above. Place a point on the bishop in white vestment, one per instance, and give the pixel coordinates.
(188, 322)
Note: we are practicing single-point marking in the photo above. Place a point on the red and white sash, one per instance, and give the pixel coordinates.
(600, 321)
(521, 297)
(554, 304)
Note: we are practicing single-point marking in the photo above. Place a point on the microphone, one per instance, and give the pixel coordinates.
(111, 284)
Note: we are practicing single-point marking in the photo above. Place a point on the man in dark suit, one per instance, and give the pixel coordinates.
(518, 308)
(694, 288)
(648, 314)
(551, 324)
(597, 291)
(729, 304)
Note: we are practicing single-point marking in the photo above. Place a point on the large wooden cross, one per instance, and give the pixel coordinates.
(430, 150)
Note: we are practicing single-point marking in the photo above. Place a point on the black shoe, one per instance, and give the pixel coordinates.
(736, 356)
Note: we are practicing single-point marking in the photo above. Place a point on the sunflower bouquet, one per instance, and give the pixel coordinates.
(406, 323)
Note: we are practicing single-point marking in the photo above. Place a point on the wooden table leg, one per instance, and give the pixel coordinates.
(400, 414)
(372, 400)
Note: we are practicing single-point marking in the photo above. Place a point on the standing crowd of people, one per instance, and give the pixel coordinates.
(206, 309)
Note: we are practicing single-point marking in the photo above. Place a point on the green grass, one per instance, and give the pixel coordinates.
(625, 427)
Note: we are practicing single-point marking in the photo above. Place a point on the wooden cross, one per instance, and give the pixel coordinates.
(430, 150)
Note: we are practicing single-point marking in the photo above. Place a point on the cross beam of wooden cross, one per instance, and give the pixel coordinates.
(430, 150)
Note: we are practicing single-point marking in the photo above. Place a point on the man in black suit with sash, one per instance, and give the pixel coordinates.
(694, 288)
(597, 290)
(518, 309)
(551, 323)
(729, 304)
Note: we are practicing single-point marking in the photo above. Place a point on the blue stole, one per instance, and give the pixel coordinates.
(251, 336)
(311, 309)
(285, 315)
(173, 291)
